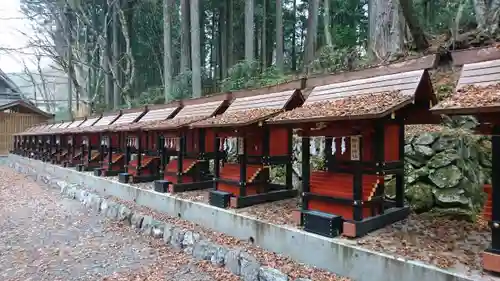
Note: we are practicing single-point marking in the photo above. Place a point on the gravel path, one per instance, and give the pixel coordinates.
(46, 237)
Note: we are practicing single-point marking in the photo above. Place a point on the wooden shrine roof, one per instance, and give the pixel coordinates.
(368, 98)
(108, 121)
(477, 92)
(85, 124)
(154, 115)
(32, 130)
(77, 123)
(193, 110)
(252, 109)
(65, 127)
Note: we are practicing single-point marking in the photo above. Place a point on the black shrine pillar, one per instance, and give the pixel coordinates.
(491, 257)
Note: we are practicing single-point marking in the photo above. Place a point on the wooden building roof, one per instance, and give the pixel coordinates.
(155, 114)
(367, 98)
(247, 110)
(477, 92)
(193, 110)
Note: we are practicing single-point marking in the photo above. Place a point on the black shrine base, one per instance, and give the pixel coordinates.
(89, 167)
(98, 172)
(271, 196)
(123, 177)
(190, 186)
(161, 186)
(110, 173)
(349, 228)
(491, 261)
(140, 178)
(219, 198)
(167, 186)
(322, 223)
(250, 200)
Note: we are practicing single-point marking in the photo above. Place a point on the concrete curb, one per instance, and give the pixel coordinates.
(334, 255)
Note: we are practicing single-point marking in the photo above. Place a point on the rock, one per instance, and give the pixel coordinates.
(484, 159)
(167, 233)
(417, 174)
(104, 206)
(71, 193)
(487, 174)
(302, 279)
(475, 193)
(390, 188)
(455, 213)
(136, 220)
(420, 196)
(81, 195)
(424, 139)
(443, 158)
(124, 213)
(422, 151)
(204, 250)
(271, 274)
(471, 170)
(445, 142)
(147, 225)
(112, 211)
(219, 259)
(190, 238)
(177, 238)
(414, 162)
(95, 202)
(63, 186)
(249, 267)
(158, 229)
(232, 259)
(450, 197)
(446, 177)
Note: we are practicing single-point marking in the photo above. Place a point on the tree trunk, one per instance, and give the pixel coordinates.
(185, 33)
(213, 47)
(294, 37)
(480, 9)
(115, 27)
(312, 28)
(108, 79)
(263, 43)
(223, 38)
(279, 36)
(249, 30)
(195, 48)
(67, 31)
(167, 46)
(386, 31)
(326, 23)
(416, 30)
(230, 29)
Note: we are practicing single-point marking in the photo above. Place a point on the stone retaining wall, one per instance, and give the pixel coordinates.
(235, 260)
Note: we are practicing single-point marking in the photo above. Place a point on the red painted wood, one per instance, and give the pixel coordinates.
(235, 190)
(278, 142)
(172, 166)
(253, 142)
(116, 162)
(146, 162)
(391, 142)
(209, 140)
(173, 179)
(489, 202)
(231, 171)
(339, 185)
